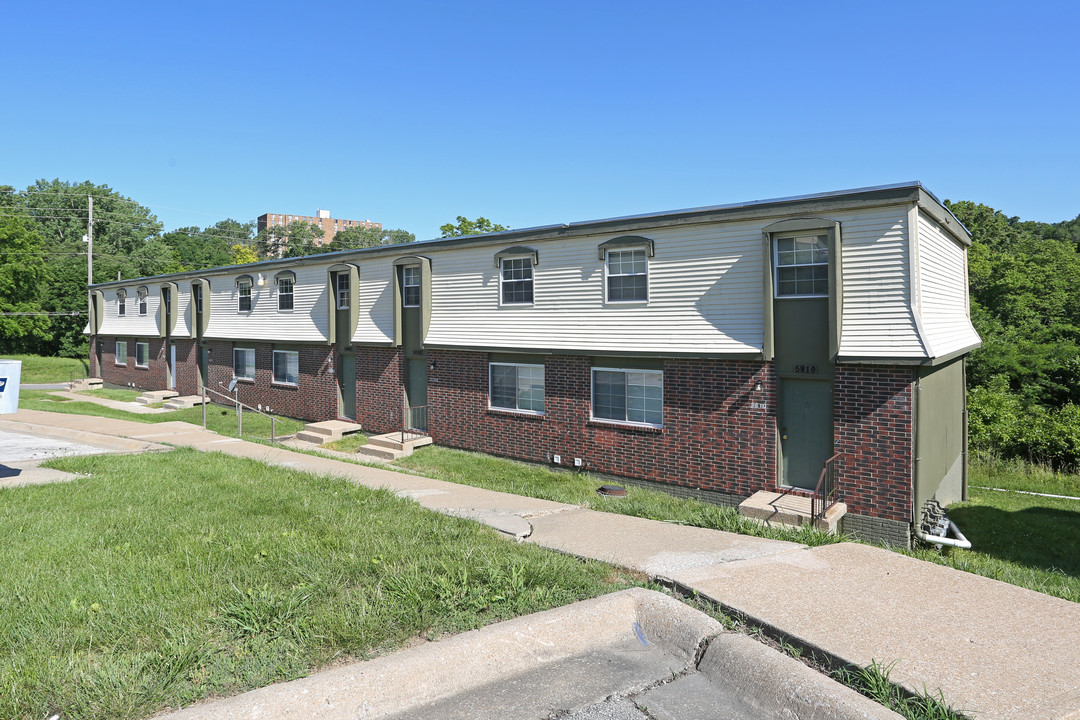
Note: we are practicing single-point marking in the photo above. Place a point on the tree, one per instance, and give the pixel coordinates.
(296, 239)
(23, 272)
(242, 254)
(465, 226)
(355, 238)
(210, 247)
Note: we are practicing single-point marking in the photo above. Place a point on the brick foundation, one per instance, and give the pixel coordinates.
(155, 376)
(712, 439)
(379, 392)
(873, 428)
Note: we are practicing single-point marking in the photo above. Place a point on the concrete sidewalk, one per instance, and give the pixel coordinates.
(992, 649)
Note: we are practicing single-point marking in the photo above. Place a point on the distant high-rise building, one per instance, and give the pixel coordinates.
(330, 226)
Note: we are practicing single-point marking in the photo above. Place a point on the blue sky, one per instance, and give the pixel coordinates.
(411, 113)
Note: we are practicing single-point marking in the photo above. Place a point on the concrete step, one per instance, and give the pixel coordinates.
(183, 402)
(330, 430)
(382, 454)
(773, 508)
(152, 397)
(315, 438)
(392, 441)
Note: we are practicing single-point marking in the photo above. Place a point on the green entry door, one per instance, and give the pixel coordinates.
(347, 386)
(805, 430)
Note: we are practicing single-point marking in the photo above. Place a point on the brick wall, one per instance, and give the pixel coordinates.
(187, 367)
(155, 376)
(712, 439)
(873, 427)
(313, 398)
(379, 391)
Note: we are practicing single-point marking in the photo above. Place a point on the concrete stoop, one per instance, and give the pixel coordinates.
(327, 431)
(86, 384)
(152, 397)
(389, 447)
(773, 508)
(183, 402)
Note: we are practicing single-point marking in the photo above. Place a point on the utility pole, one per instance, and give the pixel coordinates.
(90, 260)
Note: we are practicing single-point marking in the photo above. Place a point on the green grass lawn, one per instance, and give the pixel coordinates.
(37, 369)
(350, 443)
(120, 394)
(1025, 540)
(576, 488)
(162, 579)
(218, 418)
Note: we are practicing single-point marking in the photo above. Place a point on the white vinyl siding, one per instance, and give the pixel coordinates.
(131, 324)
(375, 301)
(244, 363)
(878, 321)
(286, 367)
(308, 322)
(182, 310)
(705, 296)
(516, 387)
(942, 290)
(628, 396)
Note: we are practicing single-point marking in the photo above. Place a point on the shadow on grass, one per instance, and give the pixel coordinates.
(1038, 537)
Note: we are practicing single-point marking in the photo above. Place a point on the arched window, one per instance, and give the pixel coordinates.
(121, 302)
(141, 293)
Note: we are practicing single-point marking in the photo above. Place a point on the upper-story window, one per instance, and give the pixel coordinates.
(410, 286)
(285, 293)
(243, 294)
(516, 278)
(141, 293)
(341, 283)
(627, 275)
(121, 302)
(196, 296)
(802, 266)
(166, 299)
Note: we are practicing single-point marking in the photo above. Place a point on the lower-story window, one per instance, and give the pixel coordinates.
(630, 396)
(286, 367)
(517, 387)
(243, 363)
(121, 352)
(142, 354)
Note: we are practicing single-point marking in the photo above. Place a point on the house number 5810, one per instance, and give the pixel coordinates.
(807, 369)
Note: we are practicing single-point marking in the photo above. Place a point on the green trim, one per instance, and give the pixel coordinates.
(944, 217)
(167, 319)
(625, 242)
(200, 331)
(517, 251)
(516, 358)
(929, 362)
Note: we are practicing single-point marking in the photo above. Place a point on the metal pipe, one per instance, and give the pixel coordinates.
(959, 541)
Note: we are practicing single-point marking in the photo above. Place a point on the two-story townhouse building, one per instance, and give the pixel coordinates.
(714, 352)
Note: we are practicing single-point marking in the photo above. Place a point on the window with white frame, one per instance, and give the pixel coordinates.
(627, 275)
(141, 293)
(243, 363)
(286, 367)
(516, 278)
(341, 281)
(284, 293)
(142, 354)
(121, 302)
(630, 396)
(243, 295)
(516, 386)
(121, 352)
(802, 266)
(196, 296)
(410, 286)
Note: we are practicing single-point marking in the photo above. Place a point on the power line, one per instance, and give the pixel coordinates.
(72, 313)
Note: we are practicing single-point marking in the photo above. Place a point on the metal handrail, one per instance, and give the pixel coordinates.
(826, 493)
(239, 412)
(413, 422)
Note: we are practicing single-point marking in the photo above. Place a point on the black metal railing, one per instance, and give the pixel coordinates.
(414, 422)
(826, 494)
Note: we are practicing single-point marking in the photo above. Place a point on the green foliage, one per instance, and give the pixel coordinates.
(465, 226)
(297, 239)
(355, 238)
(197, 248)
(23, 273)
(241, 255)
(875, 683)
(38, 369)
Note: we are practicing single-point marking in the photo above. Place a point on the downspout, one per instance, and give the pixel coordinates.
(959, 541)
